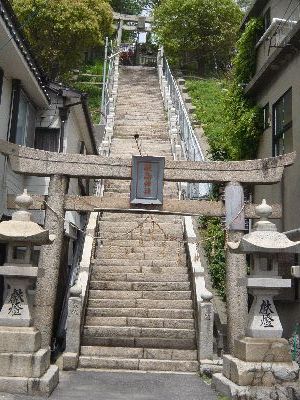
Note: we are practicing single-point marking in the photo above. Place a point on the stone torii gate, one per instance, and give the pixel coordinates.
(125, 22)
(61, 167)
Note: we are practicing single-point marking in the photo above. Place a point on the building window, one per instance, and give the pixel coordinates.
(23, 117)
(47, 139)
(266, 114)
(282, 125)
(1, 82)
(267, 19)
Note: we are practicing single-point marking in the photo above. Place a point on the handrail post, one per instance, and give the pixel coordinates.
(104, 79)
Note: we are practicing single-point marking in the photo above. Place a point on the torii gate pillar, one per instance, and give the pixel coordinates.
(120, 32)
(236, 265)
(49, 263)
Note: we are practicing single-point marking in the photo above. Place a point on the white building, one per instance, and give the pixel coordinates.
(43, 115)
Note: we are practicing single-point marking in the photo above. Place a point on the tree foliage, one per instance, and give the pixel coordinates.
(205, 30)
(131, 7)
(244, 119)
(62, 30)
(244, 62)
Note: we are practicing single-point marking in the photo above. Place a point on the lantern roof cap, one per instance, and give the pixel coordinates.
(264, 238)
(21, 228)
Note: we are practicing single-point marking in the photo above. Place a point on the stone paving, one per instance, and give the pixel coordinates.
(91, 385)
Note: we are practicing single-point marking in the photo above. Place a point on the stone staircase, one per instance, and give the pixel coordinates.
(140, 313)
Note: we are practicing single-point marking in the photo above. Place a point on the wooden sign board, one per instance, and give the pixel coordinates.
(147, 180)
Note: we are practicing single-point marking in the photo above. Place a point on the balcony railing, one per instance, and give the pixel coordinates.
(278, 31)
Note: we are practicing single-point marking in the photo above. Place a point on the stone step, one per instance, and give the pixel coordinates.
(159, 343)
(140, 313)
(19, 364)
(138, 93)
(170, 244)
(151, 145)
(140, 277)
(144, 133)
(137, 98)
(150, 286)
(127, 89)
(137, 364)
(126, 226)
(137, 124)
(137, 294)
(136, 235)
(146, 255)
(138, 218)
(138, 244)
(144, 263)
(140, 247)
(136, 119)
(148, 104)
(122, 109)
(141, 322)
(123, 113)
(140, 303)
(161, 248)
(128, 153)
(142, 353)
(147, 270)
(133, 331)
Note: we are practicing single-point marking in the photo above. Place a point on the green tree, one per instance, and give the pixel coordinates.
(129, 6)
(60, 31)
(201, 30)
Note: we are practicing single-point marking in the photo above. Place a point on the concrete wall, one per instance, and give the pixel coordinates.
(278, 9)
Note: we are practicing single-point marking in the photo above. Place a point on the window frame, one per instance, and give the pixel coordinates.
(266, 116)
(1, 82)
(277, 136)
(17, 93)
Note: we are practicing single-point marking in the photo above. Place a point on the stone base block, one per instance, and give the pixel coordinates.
(19, 339)
(233, 391)
(70, 361)
(262, 350)
(42, 386)
(29, 365)
(210, 367)
(267, 374)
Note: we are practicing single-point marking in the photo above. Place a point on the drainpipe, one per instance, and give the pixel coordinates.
(63, 115)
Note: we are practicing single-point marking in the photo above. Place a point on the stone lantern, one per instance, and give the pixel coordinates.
(264, 245)
(24, 366)
(21, 235)
(261, 359)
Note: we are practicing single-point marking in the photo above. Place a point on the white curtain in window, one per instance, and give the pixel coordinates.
(26, 122)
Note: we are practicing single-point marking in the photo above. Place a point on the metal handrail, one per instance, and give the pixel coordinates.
(190, 145)
(108, 75)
